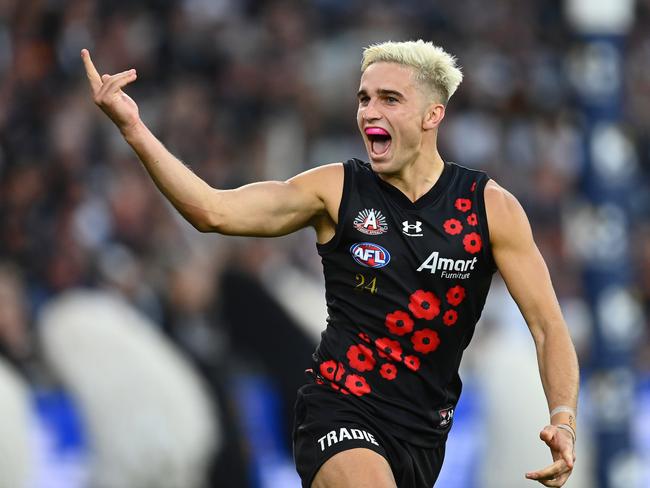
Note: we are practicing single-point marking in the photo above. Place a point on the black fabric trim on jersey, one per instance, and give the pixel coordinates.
(428, 198)
(348, 174)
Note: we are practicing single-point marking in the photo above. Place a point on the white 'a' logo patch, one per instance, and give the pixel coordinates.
(371, 222)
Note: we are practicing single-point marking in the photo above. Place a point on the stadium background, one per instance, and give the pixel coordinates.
(135, 351)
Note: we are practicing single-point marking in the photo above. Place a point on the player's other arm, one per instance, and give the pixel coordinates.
(525, 273)
(264, 209)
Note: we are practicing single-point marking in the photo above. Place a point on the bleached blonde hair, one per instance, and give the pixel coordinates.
(434, 68)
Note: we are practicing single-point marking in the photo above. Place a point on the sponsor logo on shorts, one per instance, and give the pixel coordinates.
(370, 255)
(371, 222)
(449, 268)
(344, 434)
(446, 416)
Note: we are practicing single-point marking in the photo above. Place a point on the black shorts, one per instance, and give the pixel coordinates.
(327, 423)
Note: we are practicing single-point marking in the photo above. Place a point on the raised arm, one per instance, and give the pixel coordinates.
(525, 273)
(264, 209)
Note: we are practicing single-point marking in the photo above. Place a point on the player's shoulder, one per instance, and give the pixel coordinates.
(334, 174)
(463, 177)
(507, 219)
(498, 199)
(324, 182)
(322, 174)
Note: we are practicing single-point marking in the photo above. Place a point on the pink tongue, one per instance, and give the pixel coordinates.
(379, 146)
(376, 131)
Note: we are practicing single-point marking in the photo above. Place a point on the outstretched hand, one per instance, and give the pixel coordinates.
(108, 95)
(562, 448)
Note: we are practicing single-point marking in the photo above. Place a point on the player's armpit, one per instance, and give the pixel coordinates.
(275, 208)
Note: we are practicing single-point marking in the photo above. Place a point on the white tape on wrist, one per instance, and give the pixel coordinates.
(563, 409)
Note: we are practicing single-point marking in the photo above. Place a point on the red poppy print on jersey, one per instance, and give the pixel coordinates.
(473, 187)
(472, 219)
(463, 204)
(357, 385)
(412, 362)
(399, 323)
(339, 389)
(424, 305)
(455, 295)
(452, 226)
(425, 340)
(364, 337)
(472, 243)
(450, 317)
(388, 371)
(361, 358)
(332, 370)
(388, 348)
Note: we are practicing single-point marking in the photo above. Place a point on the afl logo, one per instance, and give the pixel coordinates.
(370, 255)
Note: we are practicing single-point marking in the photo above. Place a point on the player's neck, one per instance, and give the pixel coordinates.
(417, 177)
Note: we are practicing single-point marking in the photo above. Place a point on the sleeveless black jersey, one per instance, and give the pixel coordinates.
(405, 285)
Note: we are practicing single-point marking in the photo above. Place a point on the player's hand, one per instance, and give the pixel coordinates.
(108, 95)
(563, 450)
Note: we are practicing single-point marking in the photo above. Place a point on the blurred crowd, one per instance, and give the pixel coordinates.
(245, 90)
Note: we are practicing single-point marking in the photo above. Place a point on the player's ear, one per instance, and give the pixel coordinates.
(433, 116)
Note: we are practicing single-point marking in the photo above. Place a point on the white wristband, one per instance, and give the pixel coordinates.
(563, 409)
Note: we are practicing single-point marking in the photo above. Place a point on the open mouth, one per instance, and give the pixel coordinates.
(379, 140)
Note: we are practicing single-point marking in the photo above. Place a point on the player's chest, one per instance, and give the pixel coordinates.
(430, 241)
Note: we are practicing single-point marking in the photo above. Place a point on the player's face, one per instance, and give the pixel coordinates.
(391, 114)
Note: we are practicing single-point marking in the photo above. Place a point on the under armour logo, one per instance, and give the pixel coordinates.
(412, 230)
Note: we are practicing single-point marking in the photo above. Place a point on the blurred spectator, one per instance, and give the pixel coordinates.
(246, 90)
(15, 339)
(148, 418)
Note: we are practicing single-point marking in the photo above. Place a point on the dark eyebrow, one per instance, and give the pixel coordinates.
(390, 93)
(382, 92)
